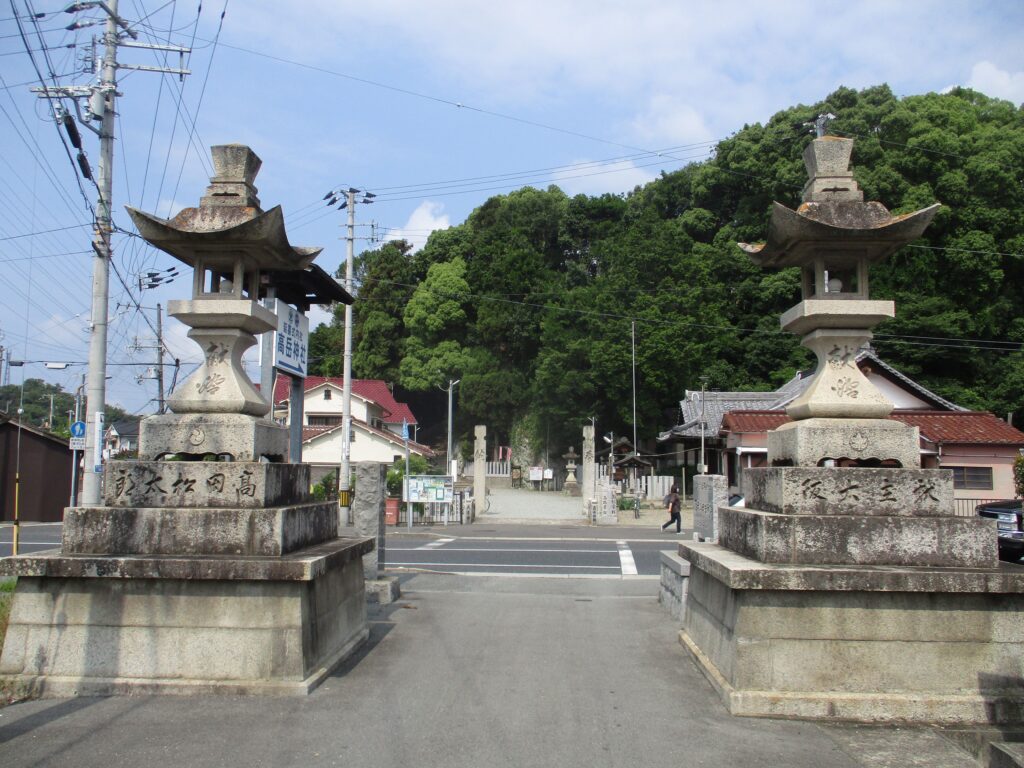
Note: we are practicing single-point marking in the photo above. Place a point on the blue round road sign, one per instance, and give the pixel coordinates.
(78, 429)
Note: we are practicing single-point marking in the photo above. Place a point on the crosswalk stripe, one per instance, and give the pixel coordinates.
(626, 559)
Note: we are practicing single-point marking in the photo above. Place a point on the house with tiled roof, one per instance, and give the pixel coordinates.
(377, 420)
(979, 447)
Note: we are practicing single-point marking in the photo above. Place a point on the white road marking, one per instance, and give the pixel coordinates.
(489, 549)
(502, 565)
(626, 559)
(436, 544)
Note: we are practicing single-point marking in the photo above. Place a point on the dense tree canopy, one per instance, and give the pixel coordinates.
(533, 302)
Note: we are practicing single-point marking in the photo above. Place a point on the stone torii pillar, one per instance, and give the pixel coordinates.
(588, 472)
(479, 465)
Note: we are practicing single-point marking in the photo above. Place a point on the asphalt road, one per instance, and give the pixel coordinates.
(527, 551)
(34, 537)
(528, 556)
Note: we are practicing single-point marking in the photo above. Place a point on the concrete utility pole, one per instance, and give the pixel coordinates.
(345, 481)
(448, 454)
(160, 358)
(102, 100)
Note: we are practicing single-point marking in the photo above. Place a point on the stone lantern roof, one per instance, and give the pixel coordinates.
(833, 209)
(229, 225)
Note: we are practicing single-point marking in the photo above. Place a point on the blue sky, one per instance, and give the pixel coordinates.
(409, 100)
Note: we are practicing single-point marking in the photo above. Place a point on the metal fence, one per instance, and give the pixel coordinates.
(434, 513)
(965, 507)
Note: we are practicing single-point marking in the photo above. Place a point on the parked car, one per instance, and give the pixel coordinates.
(1007, 515)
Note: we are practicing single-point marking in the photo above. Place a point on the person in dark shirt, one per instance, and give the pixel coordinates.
(672, 504)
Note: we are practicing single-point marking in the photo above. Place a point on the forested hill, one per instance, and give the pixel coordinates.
(530, 301)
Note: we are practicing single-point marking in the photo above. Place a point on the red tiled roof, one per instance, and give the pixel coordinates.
(375, 390)
(753, 421)
(311, 433)
(962, 427)
(936, 426)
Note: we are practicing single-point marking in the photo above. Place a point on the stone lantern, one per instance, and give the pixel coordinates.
(210, 567)
(834, 237)
(228, 240)
(848, 588)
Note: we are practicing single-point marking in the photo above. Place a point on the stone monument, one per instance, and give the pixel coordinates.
(209, 568)
(588, 469)
(479, 468)
(848, 589)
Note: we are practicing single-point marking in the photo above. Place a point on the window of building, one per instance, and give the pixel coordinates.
(327, 394)
(323, 421)
(972, 478)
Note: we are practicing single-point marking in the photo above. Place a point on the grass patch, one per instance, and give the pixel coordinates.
(7, 693)
(6, 596)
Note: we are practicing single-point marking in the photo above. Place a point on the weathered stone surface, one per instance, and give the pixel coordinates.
(849, 491)
(806, 443)
(828, 170)
(368, 510)
(303, 565)
(172, 531)
(675, 573)
(479, 466)
(384, 591)
(236, 484)
(956, 542)
(709, 493)
(846, 314)
(74, 636)
(920, 654)
(839, 389)
(743, 573)
(243, 437)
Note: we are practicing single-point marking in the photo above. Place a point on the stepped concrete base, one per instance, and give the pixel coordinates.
(92, 625)
(860, 643)
(211, 531)
(957, 542)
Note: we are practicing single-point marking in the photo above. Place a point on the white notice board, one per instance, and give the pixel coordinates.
(291, 341)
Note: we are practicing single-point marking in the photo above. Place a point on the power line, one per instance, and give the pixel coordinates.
(975, 344)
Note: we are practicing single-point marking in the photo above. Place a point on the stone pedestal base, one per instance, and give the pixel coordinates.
(806, 443)
(244, 438)
(88, 625)
(860, 643)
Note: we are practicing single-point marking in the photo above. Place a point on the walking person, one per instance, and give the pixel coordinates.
(672, 504)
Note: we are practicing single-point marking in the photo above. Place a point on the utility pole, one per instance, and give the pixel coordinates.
(160, 358)
(703, 385)
(102, 102)
(346, 383)
(345, 481)
(448, 454)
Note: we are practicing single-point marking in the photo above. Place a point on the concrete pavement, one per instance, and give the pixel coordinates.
(472, 672)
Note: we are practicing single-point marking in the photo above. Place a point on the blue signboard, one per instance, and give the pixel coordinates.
(78, 429)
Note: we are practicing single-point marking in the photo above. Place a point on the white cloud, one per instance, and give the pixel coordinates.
(993, 81)
(428, 216)
(668, 121)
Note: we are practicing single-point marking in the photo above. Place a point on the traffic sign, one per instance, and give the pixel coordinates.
(78, 429)
(76, 443)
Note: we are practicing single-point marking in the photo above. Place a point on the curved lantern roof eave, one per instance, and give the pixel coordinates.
(795, 237)
(219, 236)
